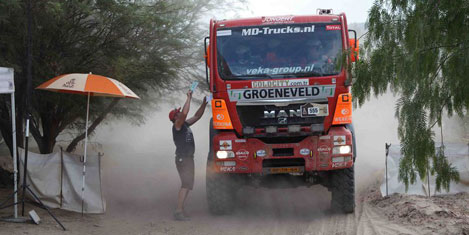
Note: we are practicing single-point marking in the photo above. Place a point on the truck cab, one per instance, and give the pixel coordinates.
(281, 106)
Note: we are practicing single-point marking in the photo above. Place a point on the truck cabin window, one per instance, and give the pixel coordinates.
(279, 51)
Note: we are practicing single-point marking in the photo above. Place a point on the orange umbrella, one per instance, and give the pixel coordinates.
(90, 85)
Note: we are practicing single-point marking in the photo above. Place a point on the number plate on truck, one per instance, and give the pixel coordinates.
(314, 110)
(279, 170)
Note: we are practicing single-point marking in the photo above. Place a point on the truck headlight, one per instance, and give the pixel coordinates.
(225, 154)
(345, 149)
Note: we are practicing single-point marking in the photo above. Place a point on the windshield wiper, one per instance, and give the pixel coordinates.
(330, 74)
(309, 74)
(250, 76)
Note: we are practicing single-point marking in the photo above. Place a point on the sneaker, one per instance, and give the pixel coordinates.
(180, 216)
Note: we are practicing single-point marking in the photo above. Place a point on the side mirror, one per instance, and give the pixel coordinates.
(354, 48)
(207, 59)
(207, 56)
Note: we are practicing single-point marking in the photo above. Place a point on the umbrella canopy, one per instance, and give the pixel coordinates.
(92, 84)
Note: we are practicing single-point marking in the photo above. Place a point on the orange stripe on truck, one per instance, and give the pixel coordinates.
(221, 117)
(343, 110)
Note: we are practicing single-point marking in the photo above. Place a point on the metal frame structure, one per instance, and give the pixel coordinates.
(10, 72)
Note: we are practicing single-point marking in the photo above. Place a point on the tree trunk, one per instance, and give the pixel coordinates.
(50, 125)
(72, 146)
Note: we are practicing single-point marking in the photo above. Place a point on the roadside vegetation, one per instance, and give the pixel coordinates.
(419, 50)
(149, 45)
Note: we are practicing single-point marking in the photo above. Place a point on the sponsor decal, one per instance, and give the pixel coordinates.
(324, 148)
(325, 137)
(339, 140)
(220, 117)
(280, 83)
(222, 124)
(312, 110)
(281, 70)
(244, 168)
(304, 151)
(224, 32)
(338, 164)
(240, 141)
(225, 145)
(282, 113)
(260, 153)
(316, 92)
(333, 27)
(284, 30)
(343, 119)
(277, 19)
(227, 168)
(242, 154)
(69, 84)
(323, 157)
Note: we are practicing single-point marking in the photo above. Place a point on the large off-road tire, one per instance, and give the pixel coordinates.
(220, 188)
(342, 187)
(220, 192)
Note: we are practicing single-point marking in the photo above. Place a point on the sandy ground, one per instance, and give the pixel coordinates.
(260, 211)
(141, 198)
(448, 214)
(300, 211)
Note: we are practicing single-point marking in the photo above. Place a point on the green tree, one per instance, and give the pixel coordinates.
(420, 50)
(149, 45)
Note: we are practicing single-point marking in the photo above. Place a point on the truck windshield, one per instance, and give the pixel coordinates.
(279, 51)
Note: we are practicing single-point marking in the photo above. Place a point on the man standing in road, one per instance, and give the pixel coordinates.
(185, 147)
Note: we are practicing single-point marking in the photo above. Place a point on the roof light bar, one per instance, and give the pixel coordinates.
(324, 11)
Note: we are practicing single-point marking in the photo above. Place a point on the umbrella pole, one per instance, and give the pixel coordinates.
(84, 156)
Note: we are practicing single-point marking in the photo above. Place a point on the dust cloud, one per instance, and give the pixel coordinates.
(374, 125)
(140, 180)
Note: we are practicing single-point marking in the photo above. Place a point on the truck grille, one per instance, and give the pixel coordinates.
(253, 116)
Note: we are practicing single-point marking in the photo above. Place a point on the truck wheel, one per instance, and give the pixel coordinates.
(343, 190)
(220, 192)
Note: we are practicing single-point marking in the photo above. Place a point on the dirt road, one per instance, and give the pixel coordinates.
(141, 201)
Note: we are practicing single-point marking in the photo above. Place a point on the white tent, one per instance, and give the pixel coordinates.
(458, 156)
(56, 179)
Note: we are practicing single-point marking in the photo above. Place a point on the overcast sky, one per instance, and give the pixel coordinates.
(356, 10)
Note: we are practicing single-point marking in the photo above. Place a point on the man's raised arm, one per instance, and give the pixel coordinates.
(199, 113)
(180, 119)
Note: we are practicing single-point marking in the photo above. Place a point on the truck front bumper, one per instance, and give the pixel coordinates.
(313, 153)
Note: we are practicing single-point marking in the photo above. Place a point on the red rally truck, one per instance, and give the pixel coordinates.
(282, 111)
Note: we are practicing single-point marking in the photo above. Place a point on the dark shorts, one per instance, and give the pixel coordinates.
(185, 167)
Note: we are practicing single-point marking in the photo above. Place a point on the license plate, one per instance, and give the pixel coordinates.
(314, 110)
(278, 170)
